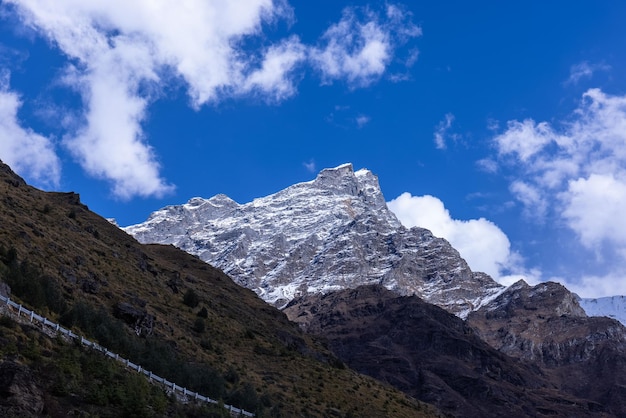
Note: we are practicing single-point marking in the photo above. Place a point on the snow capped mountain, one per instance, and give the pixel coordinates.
(612, 306)
(332, 233)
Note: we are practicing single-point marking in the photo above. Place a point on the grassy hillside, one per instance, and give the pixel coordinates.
(169, 312)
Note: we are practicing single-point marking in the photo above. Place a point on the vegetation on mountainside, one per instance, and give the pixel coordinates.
(172, 313)
(70, 378)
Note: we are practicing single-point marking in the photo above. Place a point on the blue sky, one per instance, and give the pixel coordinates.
(499, 127)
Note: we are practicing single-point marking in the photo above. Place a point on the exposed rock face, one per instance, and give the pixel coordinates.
(5, 290)
(20, 396)
(139, 319)
(332, 233)
(430, 354)
(545, 326)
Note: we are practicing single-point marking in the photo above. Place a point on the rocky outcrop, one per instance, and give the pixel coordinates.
(545, 326)
(431, 355)
(5, 290)
(139, 319)
(20, 396)
(332, 233)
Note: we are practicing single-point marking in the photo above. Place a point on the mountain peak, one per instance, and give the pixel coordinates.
(331, 233)
(340, 179)
(343, 180)
(342, 169)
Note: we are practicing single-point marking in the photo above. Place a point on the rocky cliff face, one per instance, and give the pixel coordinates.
(545, 326)
(20, 395)
(332, 233)
(431, 355)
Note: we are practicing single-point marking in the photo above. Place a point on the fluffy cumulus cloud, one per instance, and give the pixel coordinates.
(594, 208)
(480, 242)
(360, 46)
(575, 172)
(595, 286)
(122, 53)
(24, 150)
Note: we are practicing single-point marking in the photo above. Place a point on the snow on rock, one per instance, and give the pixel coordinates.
(331, 233)
(612, 307)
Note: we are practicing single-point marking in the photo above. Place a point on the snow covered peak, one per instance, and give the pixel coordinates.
(195, 202)
(343, 180)
(342, 169)
(222, 200)
(612, 307)
(331, 233)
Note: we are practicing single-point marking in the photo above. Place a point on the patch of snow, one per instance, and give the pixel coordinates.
(612, 307)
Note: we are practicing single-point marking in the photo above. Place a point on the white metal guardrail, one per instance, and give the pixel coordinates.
(22, 311)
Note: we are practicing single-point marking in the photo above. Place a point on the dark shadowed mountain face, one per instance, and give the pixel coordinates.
(431, 355)
(545, 327)
(332, 233)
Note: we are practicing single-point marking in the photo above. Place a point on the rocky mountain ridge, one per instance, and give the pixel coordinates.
(544, 326)
(439, 358)
(332, 233)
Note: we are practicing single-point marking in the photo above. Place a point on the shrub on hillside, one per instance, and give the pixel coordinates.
(191, 298)
(28, 283)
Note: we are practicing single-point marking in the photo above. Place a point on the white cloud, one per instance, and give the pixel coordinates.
(123, 53)
(487, 165)
(532, 198)
(111, 144)
(28, 153)
(359, 49)
(575, 172)
(442, 131)
(480, 242)
(362, 120)
(310, 166)
(587, 151)
(594, 208)
(272, 78)
(525, 139)
(584, 70)
(596, 286)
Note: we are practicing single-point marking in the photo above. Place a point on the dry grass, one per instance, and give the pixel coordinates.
(250, 343)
